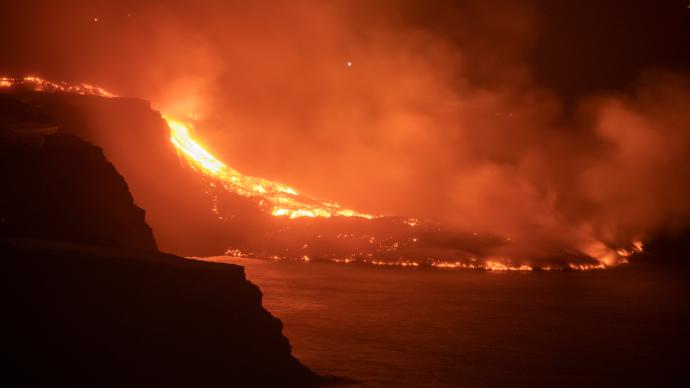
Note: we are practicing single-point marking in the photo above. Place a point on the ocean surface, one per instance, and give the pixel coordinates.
(388, 327)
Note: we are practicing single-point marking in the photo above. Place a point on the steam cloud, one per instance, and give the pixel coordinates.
(438, 116)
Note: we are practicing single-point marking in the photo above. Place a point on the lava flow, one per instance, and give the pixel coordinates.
(276, 198)
(42, 85)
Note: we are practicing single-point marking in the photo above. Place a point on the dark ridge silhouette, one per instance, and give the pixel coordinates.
(62, 188)
(136, 140)
(88, 299)
(92, 318)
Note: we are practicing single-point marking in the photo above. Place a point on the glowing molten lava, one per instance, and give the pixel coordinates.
(42, 85)
(275, 198)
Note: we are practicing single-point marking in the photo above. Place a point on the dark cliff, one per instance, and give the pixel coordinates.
(81, 317)
(59, 187)
(137, 141)
(89, 301)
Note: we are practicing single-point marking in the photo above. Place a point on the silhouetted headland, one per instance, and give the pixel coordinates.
(90, 301)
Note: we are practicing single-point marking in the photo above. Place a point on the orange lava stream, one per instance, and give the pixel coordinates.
(276, 198)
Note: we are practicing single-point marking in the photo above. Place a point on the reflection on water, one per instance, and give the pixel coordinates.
(412, 327)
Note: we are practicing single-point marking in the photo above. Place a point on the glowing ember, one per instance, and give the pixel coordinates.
(499, 266)
(637, 247)
(608, 256)
(586, 267)
(411, 221)
(41, 85)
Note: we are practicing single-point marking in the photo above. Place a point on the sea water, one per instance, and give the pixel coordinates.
(382, 326)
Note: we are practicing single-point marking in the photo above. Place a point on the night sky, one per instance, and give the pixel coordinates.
(576, 47)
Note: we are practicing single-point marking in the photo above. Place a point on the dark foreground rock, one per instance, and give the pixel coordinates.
(87, 299)
(80, 317)
(58, 187)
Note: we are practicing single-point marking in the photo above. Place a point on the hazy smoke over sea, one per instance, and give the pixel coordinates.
(393, 108)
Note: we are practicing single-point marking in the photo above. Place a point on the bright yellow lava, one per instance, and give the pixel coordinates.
(276, 198)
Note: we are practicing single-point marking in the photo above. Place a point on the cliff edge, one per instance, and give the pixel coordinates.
(91, 302)
(58, 187)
